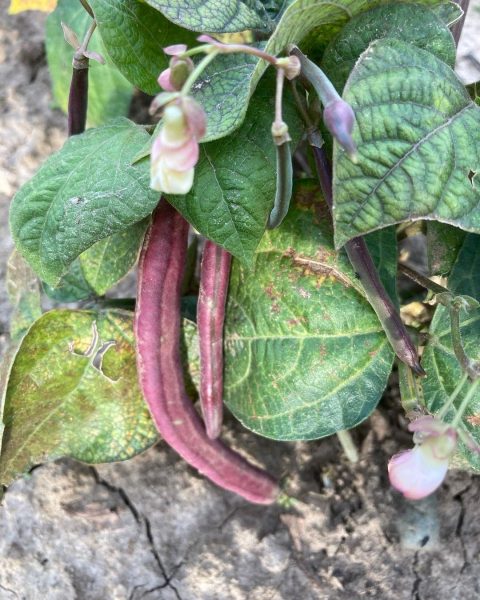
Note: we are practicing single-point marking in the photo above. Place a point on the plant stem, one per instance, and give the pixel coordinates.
(279, 96)
(465, 402)
(212, 297)
(362, 262)
(445, 297)
(469, 366)
(446, 407)
(425, 282)
(281, 139)
(197, 71)
(348, 445)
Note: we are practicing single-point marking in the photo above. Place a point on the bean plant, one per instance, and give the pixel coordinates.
(290, 145)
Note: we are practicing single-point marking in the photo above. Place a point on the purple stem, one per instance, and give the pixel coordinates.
(362, 262)
(212, 297)
(78, 97)
(157, 331)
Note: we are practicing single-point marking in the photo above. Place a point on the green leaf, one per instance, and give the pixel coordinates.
(443, 244)
(224, 91)
(74, 393)
(418, 138)
(134, 35)
(82, 194)
(229, 82)
(235, 180)
(411, 23)
(305, 355)
(448, 12)
(23, 290)
(72, 287)
(214, 15)
(109, 93)
(100, 267)
(108, 261)
(443, 369)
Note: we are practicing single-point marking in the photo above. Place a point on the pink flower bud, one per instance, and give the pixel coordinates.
(164, 81)
(175, 150)
(420, 471)
(175, 49)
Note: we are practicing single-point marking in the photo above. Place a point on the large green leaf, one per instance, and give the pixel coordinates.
(235, 180)
(82, 194)
(134, 35)
(412, 23)
(418, 138)
(229, 82)
(215, 15)
(73, 392)
(443, 369)
(109, 93)
(305, 355)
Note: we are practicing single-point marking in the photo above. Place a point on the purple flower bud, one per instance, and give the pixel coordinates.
(339, 119)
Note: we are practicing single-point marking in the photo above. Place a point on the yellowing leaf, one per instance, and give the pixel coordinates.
(18, 6)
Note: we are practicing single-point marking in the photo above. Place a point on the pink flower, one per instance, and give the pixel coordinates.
(420, 471)
(175, 150)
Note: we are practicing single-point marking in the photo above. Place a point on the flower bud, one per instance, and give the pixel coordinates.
(175, 150)
(173, 78)
(339, 119)
(164, 80)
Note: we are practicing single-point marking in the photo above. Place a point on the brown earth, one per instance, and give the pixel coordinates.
(153, 528)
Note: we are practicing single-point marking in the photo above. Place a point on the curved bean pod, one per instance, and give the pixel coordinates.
(157, 330)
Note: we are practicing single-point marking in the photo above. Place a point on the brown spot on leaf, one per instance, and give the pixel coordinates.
(318, 266)
(474, 420)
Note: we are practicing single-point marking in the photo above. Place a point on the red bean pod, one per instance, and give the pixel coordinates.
(157, 330)
(212, 297)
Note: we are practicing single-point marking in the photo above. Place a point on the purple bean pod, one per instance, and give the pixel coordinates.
(212, 297)
(157, 331)
(78, 97)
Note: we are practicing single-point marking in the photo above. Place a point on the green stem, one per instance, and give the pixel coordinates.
(446, 407)
(469, 366)
(465, 402)
(348, 445)
(197, 71)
